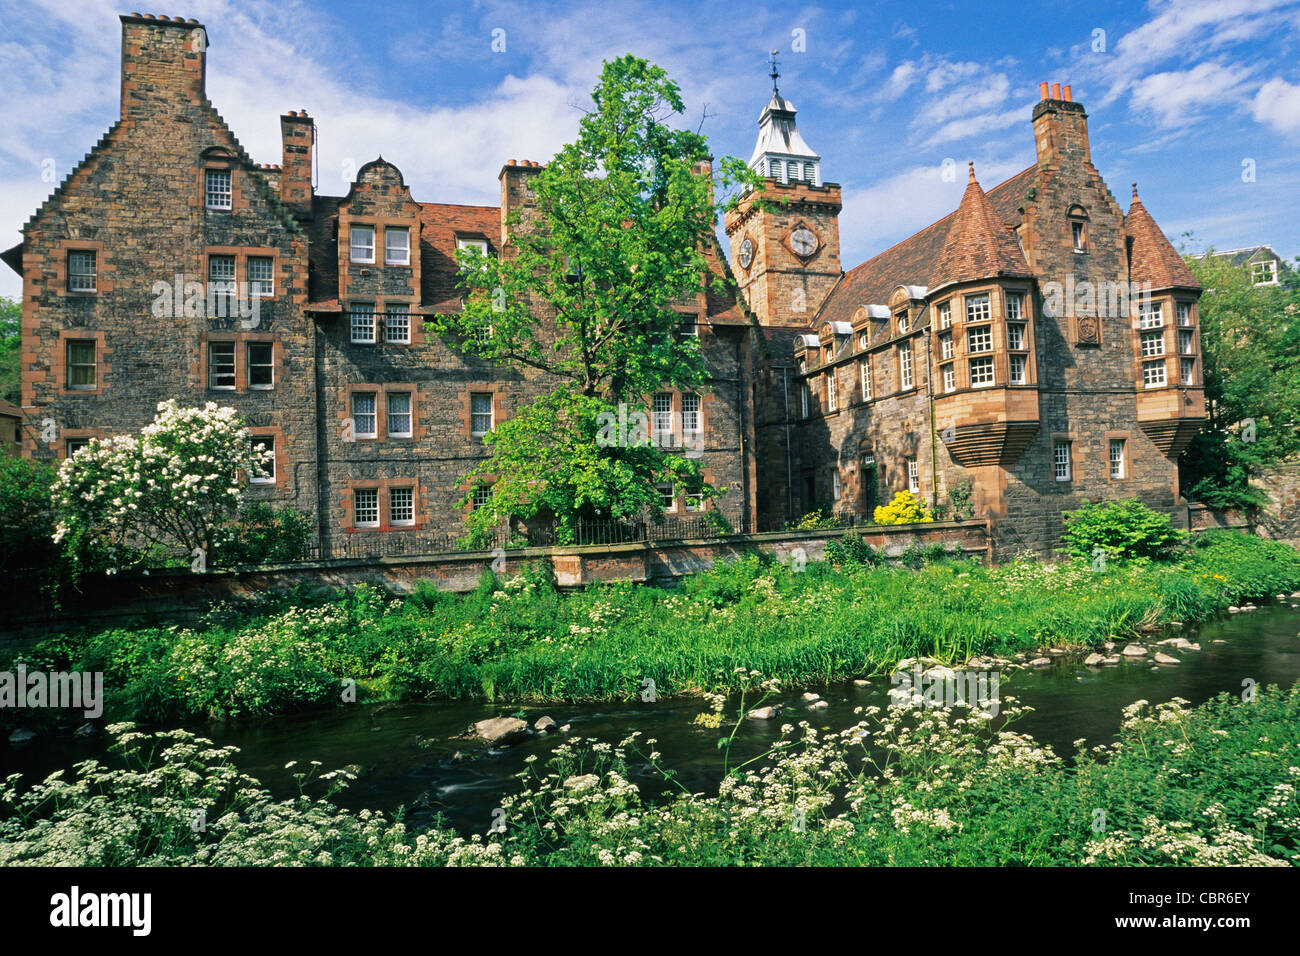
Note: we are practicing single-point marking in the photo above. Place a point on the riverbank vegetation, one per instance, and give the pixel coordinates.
(1215, 785)
(521, 639)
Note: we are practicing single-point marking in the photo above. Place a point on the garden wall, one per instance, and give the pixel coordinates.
(181, 595)
(1281, 518)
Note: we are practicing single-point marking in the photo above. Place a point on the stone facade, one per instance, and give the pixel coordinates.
(966, 353)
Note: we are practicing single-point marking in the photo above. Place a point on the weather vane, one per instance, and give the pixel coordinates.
(774, 74)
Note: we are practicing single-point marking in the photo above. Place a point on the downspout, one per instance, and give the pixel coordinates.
(789, 464)
(746, 515)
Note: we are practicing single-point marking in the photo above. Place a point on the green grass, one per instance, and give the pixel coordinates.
(521, 640)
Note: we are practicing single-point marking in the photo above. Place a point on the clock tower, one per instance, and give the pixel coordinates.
(786, 257)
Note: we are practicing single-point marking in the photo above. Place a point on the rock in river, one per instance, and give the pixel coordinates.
(499, 731)
(1134, 650)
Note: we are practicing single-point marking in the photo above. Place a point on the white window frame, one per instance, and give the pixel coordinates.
(1118, 467)
(905, 366)
(1015, 307)
(1151, 315)
(476, 417)
(978, 308)
(359, 414)
(269, 465)
(835, 484)
(408, 507)
(1186, 342)
(1062, 461)
(1016, 336)
(1154, 374)
(1023, 377)
(949, 372)
(979, 339)
(397, 317)
(222, 196)
(661, 416)
(397, 255)
(1153, 344)
(393, 416)
(805, 398)
(371, 496)
(1079, 235)
(222, 284)
(357, 231)
(865, 375)
(1184, 310)
(947, 347)
(692, 419)
(1187, 368)
(913, 476)
(361, 318)
(259, 286)
(977, 377)
(1265, 267)
(667, 493)
(945, 315)
(832, 392)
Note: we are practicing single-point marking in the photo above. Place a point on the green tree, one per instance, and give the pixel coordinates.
(28, 554)
(1250, 344)
(583, 292)
(11, 313)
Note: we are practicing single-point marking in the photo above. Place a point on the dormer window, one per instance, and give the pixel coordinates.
(479, 245)
(217, 192)
(902, 322)
(1264, 273)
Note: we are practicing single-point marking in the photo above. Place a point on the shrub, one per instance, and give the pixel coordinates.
(1120, 529)
(818, 520)
(28, 555)
(852, 550)
(264, 535)
(905, 508)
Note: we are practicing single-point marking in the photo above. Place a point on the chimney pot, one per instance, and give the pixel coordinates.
(1056, 91)
(1069, 97)
(1042, 90)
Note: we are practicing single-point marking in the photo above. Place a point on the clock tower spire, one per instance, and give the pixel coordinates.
(786, 257)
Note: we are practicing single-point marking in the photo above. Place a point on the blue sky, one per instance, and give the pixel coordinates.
(1179, 95)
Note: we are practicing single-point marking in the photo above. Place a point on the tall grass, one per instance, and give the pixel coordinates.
(522, 640)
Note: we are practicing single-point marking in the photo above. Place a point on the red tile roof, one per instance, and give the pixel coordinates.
(979, 244)
(913, 261)
(1152, 257)
(440, 224)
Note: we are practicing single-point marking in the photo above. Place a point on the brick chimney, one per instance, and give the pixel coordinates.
(297, 137)
(516, 194)
(163, 62)
(1060, 127)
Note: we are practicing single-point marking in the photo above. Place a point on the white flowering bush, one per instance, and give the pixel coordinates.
(175, 485)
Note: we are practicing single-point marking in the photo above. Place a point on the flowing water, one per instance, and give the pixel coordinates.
(414, 755)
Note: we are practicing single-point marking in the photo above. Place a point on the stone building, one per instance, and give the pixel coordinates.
(999, 346)
(1033, 350)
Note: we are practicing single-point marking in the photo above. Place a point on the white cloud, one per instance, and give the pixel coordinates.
(1176, 97)
(1277, 104)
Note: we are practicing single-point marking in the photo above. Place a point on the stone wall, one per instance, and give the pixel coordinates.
(1281, 518)
(181, 595)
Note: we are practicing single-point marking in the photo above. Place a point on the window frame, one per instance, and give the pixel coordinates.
(409, 492)
(93, 274)
(390, 416)
(356, 507)
(356, 309)
(1059, 460)
(491, 413)
(353, 229)
(269, 442)
(1118, 464)
(356, 415)
(69, 364)
(982, 362)
(208, 175)
(214, 364)
(393, 310)
(269, 365)
(390, 231)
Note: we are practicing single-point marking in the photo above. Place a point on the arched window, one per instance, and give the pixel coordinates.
(1078, 218)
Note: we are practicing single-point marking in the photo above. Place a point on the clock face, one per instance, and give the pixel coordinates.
(746, 254)
(803, 241)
